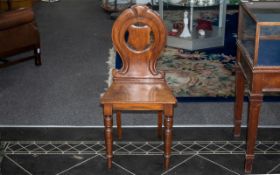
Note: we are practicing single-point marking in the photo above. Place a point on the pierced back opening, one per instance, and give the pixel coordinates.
(139, 36)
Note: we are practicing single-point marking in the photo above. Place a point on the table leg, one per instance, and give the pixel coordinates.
(239, 98)
(108, 133)
(253, 120)
(168, 126)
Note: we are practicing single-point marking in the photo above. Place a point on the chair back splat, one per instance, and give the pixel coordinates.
(141, 49)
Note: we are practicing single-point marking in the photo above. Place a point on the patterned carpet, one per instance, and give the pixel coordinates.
(198, 74)
(194, 74)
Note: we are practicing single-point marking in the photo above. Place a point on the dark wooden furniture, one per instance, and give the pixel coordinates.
(15, 4)
(258, 63)
(18, 33)
(138, 86)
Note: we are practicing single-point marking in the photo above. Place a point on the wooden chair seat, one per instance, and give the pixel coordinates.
(144, 93)
(139, 36)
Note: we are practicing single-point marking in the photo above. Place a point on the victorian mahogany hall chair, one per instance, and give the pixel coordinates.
(138, 86)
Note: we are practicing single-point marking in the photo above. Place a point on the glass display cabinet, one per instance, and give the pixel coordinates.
(116, 5)
(259, 33)
(205, 20)
(258, 64)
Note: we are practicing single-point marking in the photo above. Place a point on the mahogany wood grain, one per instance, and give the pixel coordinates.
(138, 86)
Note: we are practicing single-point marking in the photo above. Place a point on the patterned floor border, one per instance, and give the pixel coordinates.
(137, 148)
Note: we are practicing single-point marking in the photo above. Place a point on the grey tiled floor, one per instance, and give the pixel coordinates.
(136, 164)
(139, 152)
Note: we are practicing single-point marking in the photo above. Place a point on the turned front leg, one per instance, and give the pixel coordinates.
(108, 133)
(253, 120)
(168, 126)
(239, 98)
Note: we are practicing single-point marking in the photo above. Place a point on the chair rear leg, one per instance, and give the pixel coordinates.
(119, 125)
(159, 128)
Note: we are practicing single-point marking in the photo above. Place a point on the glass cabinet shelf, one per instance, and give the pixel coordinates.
(213, 9)
(194, 3)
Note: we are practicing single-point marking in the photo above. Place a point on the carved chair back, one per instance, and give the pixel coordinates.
(140, 50)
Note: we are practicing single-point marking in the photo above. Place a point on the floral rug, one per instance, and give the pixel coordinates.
(198, 74)
(194, 74)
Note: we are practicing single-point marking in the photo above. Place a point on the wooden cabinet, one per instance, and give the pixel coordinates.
(258, 64)
(15, 4)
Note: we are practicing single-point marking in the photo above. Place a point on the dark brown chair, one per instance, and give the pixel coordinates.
(18, 33)
(138, 86)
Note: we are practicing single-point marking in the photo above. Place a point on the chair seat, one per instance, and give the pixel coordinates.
(143, 93)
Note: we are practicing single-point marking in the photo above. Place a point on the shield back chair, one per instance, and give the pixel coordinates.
(258, 64)
(18, 33)
(138, 86)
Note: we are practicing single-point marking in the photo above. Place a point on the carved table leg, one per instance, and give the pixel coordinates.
(239, 97)
(108, 132)
(119, 125)
(168, 124)
(159, 127)
(253, 119)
